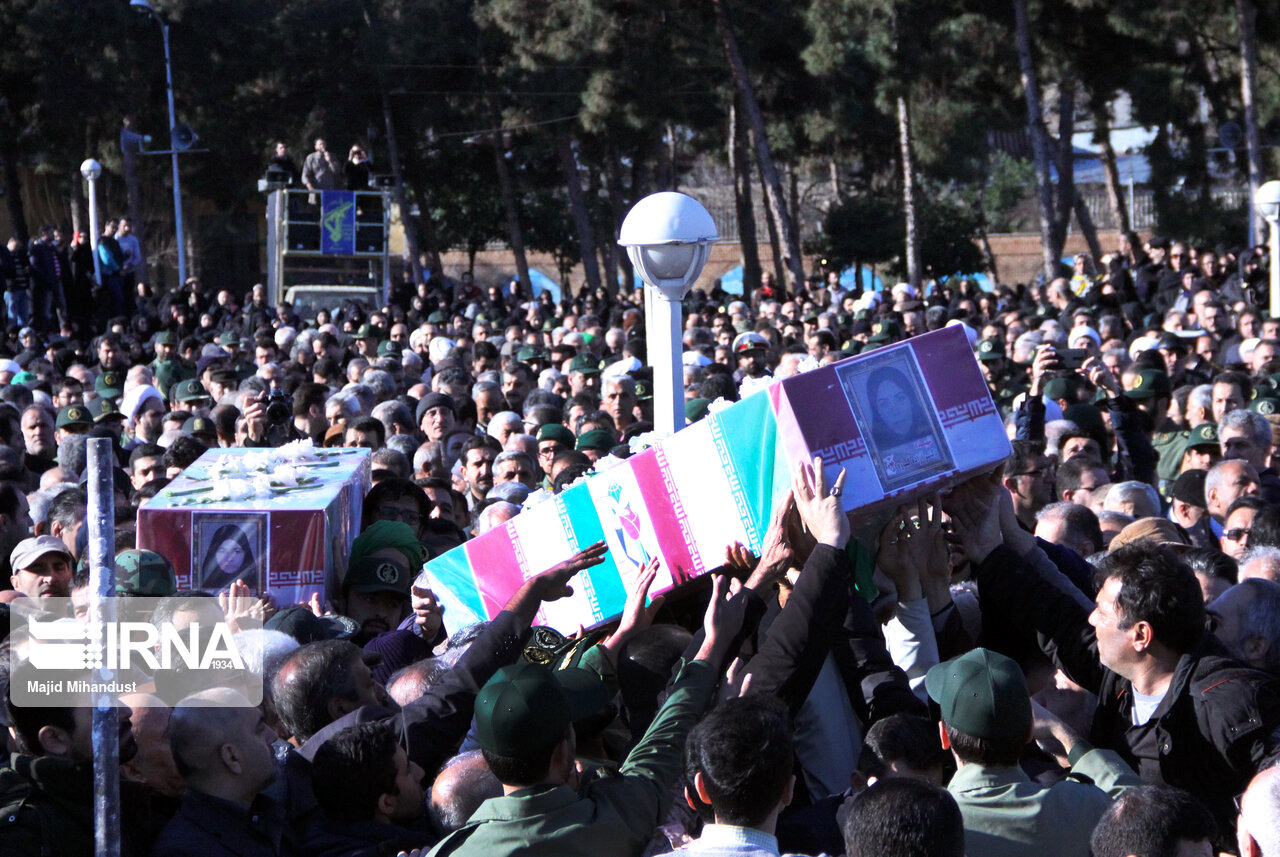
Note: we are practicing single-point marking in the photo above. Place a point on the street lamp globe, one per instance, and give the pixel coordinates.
(1267, 200)
(91, 170)
(668, 237)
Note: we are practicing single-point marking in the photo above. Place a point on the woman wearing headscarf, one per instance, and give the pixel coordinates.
(228, 559)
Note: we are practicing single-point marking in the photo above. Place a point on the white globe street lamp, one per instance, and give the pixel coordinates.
(1267, 201)
(668, 237)
(92, 170)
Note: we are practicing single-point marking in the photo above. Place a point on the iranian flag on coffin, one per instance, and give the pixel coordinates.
(904, 420)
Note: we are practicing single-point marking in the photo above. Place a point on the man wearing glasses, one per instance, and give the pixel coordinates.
(1028, 476)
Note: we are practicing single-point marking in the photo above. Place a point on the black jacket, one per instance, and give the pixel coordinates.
(431, 727)
(207, 826)
(364, 839)
(1218, 724)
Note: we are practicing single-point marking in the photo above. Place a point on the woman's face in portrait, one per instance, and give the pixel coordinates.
(894, 407)
(230, 557)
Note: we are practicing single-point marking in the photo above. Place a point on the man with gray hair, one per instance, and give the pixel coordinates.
(1070, 525)
(504, 424)
(382, 384)
(1258, 833)
(1223, 484)
(1200, 406)
(1246, 619)
(395, 417)
(1133, 498)
(222, 747)
(342, 407)
(1246, 435)
(495, 515)
(1261, 562)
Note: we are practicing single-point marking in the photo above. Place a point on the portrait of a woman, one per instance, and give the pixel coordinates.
(902, 436)
(230, 554)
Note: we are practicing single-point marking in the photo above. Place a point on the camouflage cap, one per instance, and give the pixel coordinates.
(144, 573)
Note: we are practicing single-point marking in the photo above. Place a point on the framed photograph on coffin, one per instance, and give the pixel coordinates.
(229, 546)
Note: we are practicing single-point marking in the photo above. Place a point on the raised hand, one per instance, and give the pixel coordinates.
(910, 550)
(636, 616)
(819, 506)
(723, 619)
(553, 584)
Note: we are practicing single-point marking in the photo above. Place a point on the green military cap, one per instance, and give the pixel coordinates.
(104, 409)
(982, 694)
(144, 573)
(991, 349)
(644, 383)
(371, 574)
(192, 390)
(165, 337)
(598, 440)
(200, 425)
(556, 432)
(886, 330)
(229, 337)
(811, 318)
(1063, 387)
(586, 364)
(367, 331)
(1265, 404)
(1205, 434)
(528, 706)
(388, 349)
(23, 378)
(74, 415)
(436, 317)
(548, 325)
(528, 353)
(108, 385)
(1149, 384)
(696, 409)
(224, 376)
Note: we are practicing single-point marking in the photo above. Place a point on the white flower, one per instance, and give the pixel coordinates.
(262, 485)
(286, 475)
(257, 462)
(232, 489)
(648, 440)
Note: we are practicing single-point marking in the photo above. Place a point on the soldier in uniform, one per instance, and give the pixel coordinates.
(168, 368)
(995, 368)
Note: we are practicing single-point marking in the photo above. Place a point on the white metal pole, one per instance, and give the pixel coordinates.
(664, 344)
(1274, 222)
(173, 154)
(93, 229)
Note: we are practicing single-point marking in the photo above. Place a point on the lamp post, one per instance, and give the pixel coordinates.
(91, 170)
(145, 8)
(1267, 202)
(668, 237)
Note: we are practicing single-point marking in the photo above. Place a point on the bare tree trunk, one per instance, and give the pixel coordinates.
(397, 192)
(909, 192)
(506, 188)
(1115, 191)
(77, 211)
(789, 240)
(771, 223)
(578, 208)
(1247, 16)
(1039, 137)
(834, 168)
(428, 240)
(1065, 197)
(740, 166)
(984, 240)
(619, 263)
(1085, 219)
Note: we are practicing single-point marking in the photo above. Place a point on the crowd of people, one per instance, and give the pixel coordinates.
(1075, 654)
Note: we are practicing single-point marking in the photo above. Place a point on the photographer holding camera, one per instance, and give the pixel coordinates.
(268, 420)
